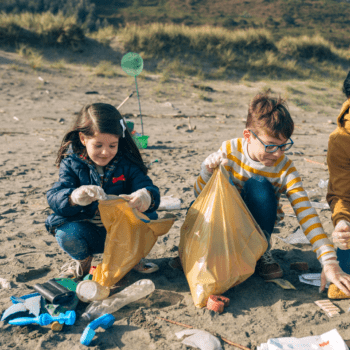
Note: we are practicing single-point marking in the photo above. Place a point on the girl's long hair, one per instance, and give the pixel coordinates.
(105, 119)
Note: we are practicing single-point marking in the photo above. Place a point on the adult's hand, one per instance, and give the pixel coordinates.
(86, 194)
(213, 160)
(341, 234)
(333, 273)
(140, 199)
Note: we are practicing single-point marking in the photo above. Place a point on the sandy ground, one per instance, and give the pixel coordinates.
(30, 134)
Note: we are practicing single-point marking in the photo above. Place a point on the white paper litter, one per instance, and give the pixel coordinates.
(169, 203)
(5, 284)
(297, 237)
(327, 341)
(314, 279)
(199, 339)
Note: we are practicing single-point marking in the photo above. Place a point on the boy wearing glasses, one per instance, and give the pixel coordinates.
(262, 173)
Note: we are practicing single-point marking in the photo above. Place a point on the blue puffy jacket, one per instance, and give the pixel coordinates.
(121, 177)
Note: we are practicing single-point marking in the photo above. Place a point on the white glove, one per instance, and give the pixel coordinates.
(85, 195)
(341, 234)
(333, 273)
(210, 163)
(140, 199)
(213, 160)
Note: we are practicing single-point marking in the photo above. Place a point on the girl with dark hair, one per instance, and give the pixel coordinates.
(97, 157)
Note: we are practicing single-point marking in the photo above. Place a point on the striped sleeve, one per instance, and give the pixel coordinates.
(306, 215)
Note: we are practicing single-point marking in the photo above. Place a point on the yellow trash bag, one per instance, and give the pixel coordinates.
(130, 237)
(220, 241)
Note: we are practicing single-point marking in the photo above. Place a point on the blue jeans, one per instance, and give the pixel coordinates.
(259, 196)
(83, 238)
(344, 260)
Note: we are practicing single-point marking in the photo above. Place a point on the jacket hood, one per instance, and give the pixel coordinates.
(343, 120)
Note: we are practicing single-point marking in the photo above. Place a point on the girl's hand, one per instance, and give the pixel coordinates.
(85, 195)
(213, 160)
(341, 234)
(140, 199)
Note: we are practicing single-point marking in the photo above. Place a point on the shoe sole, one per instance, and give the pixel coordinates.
(272, 276)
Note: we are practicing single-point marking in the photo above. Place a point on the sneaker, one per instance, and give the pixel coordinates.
(268, 268)
(76, 268)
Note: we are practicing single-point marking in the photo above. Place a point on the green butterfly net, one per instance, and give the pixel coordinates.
(132, 64)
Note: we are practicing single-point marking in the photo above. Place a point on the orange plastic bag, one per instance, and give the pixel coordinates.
(130, 237)
(220, 241)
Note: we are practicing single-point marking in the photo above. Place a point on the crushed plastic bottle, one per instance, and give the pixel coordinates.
(136, 291)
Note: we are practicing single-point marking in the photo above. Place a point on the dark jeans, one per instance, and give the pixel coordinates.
(83, 238)
(344, 260)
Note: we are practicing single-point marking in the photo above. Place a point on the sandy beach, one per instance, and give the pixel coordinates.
(37, 107)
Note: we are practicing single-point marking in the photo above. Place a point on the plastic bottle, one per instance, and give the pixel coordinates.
(136, 291)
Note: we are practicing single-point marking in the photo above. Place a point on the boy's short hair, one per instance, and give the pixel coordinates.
(270, 115)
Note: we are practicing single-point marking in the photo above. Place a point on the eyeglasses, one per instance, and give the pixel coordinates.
(274, 148)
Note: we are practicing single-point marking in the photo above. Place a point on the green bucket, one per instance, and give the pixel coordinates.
(141, 141)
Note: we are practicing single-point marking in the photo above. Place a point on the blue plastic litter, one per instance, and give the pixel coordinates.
(16, 300)
(105, 321)
(45, 319)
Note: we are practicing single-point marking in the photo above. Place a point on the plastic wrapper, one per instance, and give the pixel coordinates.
(130, 237)
(220, 241)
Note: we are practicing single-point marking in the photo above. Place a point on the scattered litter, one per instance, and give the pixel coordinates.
(61, 121)
(47, 91)
(199, 339)
(299, 266)
(106, 321)
(169, 203)
(12, 310)
(40, 78)
(329, 308)
(190, 327)
(125, 100)
(335, 293)
(154, 161)
(5, 284)
(327, 341)
(282, 283)
(314, 162)
(298, 237)
(318, 205)
(40, 138)
(45, 319)
(323, 183)
(315, 194)
(91, 93)
(314, 279)
(15, 118)
(217, 303)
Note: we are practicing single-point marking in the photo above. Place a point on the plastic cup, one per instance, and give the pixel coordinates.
(88, 291)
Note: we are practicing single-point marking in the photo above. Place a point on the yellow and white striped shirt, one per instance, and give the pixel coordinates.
(285, 179)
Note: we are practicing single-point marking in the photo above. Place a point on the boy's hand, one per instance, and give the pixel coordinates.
(85, 195)
(213, 160)
(333, 273)
(140, 199)
(341, 234)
